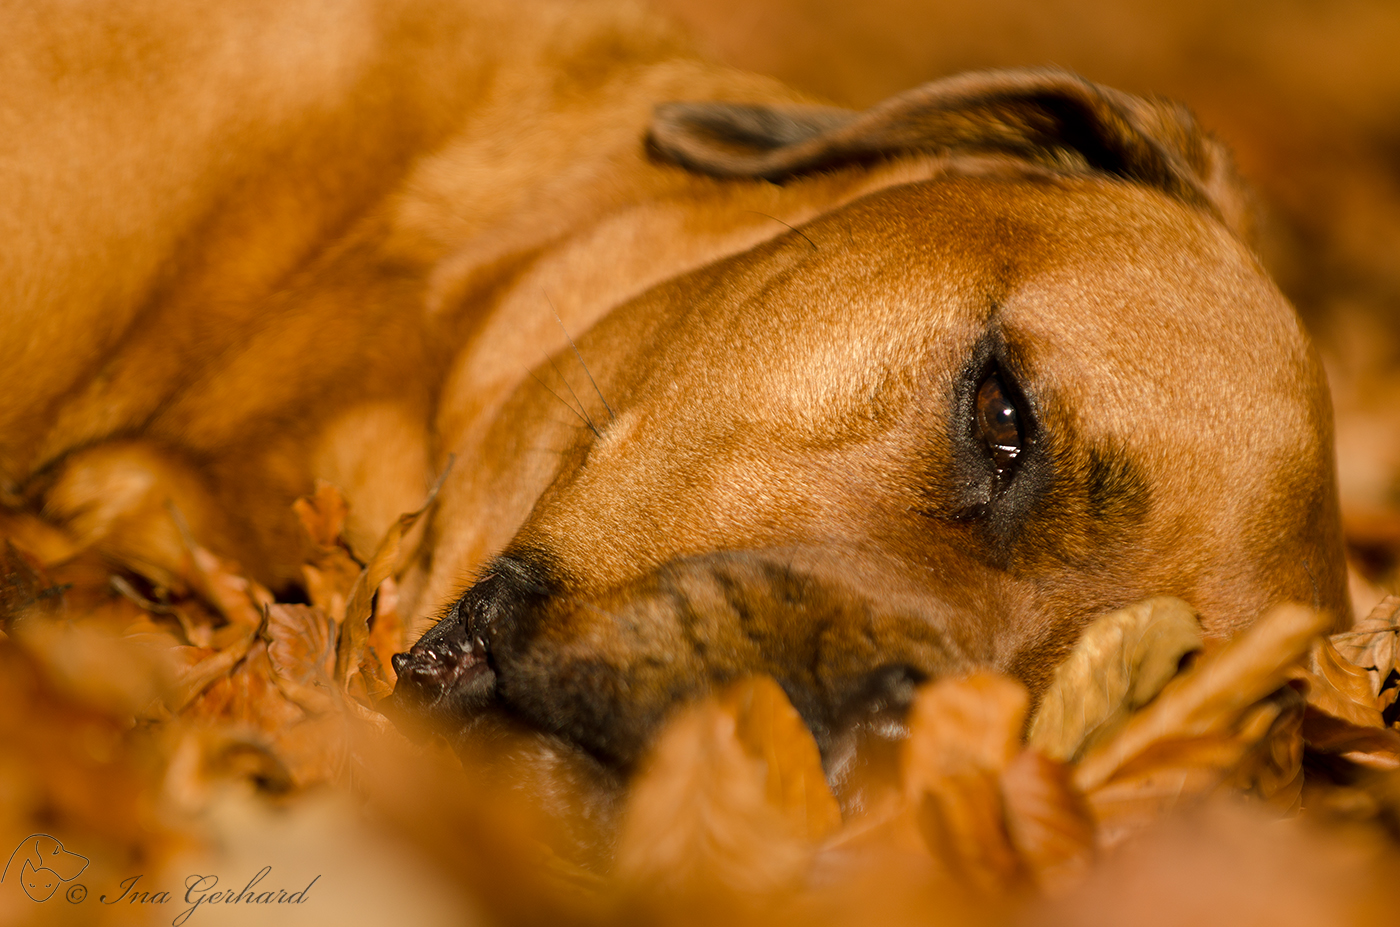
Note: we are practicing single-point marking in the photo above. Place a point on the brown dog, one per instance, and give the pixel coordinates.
(855, 399)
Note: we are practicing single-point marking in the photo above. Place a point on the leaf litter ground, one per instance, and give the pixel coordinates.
(205, 727)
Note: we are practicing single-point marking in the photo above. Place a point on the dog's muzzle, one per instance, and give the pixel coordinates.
(603, 674)
(449, 676)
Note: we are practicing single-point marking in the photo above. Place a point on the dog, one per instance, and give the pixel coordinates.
(734, 382)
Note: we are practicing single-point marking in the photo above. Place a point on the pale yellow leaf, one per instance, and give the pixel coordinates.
(1120, 663)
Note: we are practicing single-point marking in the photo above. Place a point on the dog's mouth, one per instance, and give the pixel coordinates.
(604, 673)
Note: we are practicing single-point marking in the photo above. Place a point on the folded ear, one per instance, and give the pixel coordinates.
(1049, 118)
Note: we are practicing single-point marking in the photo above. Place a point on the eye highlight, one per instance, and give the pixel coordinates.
(998, 423)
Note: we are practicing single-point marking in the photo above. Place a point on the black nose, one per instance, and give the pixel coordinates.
(450, 675)
(447, 673)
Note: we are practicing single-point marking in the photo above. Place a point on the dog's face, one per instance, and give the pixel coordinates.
(943, 426)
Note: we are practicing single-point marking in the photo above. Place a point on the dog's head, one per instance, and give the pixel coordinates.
(942, 426)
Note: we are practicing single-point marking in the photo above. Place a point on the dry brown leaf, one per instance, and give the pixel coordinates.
(247, 697)
(323, 514)
(700, 819)
(1122, 660)
(238, 599)
(1343, 717)
(332, 569)
(301, 648)
(770, 729)
(194, 669)
(388, 629)
(354, 630)
(963, 734)
(1048, 820)
(1372, 645)
(1343, 683)
(1204, 728)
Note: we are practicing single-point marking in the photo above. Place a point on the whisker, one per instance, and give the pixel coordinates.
(569, 386)
(589, 373)
(792, 227)
(581, 416)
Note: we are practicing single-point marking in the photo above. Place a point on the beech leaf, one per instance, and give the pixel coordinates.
(354, 630)
(1372, 645)
(963, 734)
(1122, 660)
(1204, 726)
(702, 814)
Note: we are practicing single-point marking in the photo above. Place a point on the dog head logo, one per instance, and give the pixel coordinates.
(42, 864)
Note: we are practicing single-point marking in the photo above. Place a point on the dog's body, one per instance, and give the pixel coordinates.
(991, 359)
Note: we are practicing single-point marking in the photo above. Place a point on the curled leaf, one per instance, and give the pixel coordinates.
(1203, 728)
(354, 630)
(1049, 822)
(1122, 660)
(1372, 644)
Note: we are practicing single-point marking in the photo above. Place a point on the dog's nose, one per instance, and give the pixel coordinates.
(446, 669)
(450, 674)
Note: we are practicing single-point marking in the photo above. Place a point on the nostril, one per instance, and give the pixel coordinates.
(399, 662)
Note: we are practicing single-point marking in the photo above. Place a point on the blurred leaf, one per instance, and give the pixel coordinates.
(702, 815)
(322, 514)
(1048, 820)
(1122, 660)
(770, 730)
(963, 734)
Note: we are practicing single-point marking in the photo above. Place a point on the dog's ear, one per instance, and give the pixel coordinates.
(1047, 117)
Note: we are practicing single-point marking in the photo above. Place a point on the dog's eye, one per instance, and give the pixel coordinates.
(998, 422)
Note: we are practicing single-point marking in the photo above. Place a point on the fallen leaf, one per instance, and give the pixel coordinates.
(247, 697)
(963, 734)
(1371, 645)
(388, 629)
(770, 730)
(701, 817)
(1048, 820)
(1122, 660)
(1343, 718)
(1200, 730)
(354, 630)
(332, 569)
(322, 514)
(194, 669)
(301, 648)
(219, 582)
